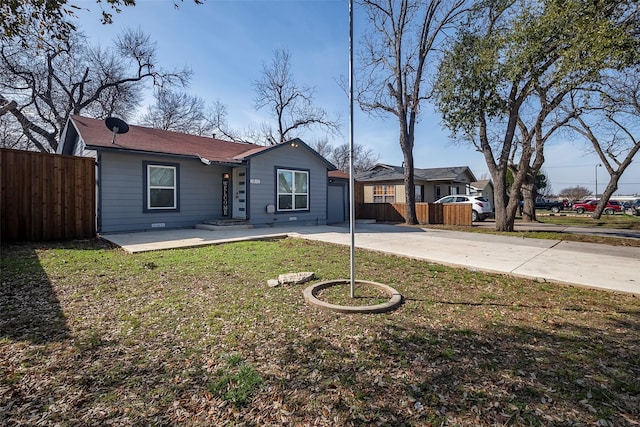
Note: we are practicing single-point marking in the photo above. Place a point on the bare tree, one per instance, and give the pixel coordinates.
(395, 55)
(575, 193)
(11, 135)
(322, 147)
(290, 105)
(363, 157)
(43, 85)
(180, 112)
(610, 121)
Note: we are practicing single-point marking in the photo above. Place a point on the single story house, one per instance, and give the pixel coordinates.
(150, 178)
(385, 183)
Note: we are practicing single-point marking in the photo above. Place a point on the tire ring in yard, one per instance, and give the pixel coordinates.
(395, 298)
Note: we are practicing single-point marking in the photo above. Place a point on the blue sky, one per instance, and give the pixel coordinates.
(225, 44)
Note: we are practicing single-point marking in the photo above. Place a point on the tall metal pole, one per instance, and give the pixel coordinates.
(352, 204)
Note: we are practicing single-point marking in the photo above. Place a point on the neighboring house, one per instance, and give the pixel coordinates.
(150, 178)
(484, 188)
(385, 183)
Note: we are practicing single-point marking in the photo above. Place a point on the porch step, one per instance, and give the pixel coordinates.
(225, 224)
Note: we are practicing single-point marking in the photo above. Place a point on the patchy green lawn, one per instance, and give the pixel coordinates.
(90, 335)
(618, 220)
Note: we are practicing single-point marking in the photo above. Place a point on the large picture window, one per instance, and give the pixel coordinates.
(293, 190)
(161, 187)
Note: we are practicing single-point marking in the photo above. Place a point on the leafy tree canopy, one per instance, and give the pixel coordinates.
(511, 68)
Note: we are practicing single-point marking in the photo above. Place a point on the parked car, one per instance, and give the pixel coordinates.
(635, 207)
(550, 205)
(612, 206)
(481, 207)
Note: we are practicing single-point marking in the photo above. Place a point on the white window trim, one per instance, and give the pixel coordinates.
(293, 193)
(162, 187)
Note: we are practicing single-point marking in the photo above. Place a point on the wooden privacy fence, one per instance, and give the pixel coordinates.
(46, 196)
(427, 213)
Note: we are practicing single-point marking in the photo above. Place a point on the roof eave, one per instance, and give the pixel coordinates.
(330, 166)
(158, 153)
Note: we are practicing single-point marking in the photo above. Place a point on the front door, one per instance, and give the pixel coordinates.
(239, 183)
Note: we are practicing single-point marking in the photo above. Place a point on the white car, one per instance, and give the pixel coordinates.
(480, 205)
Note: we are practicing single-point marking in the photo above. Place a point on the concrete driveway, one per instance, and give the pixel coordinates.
(614, 268)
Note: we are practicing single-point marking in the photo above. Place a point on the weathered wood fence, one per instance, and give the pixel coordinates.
(427, 213)
(46, 196)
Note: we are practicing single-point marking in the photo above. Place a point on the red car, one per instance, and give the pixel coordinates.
(590, 206)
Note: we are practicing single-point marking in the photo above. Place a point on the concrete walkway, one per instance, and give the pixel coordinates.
(614, 268)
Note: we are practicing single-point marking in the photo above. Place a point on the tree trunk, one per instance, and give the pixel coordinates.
(510, 212)
(410, 189)
(406, 144)
(612, 187)
(528, 195)
(506, 202)
(500, 199)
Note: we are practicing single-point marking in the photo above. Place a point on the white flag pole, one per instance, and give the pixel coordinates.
(352, 208)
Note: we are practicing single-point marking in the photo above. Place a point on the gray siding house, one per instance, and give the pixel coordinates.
(152, 179)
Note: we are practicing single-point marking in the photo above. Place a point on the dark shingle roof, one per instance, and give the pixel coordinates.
(382, 172)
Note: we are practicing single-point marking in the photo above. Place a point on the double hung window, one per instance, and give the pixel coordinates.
(161, 187)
